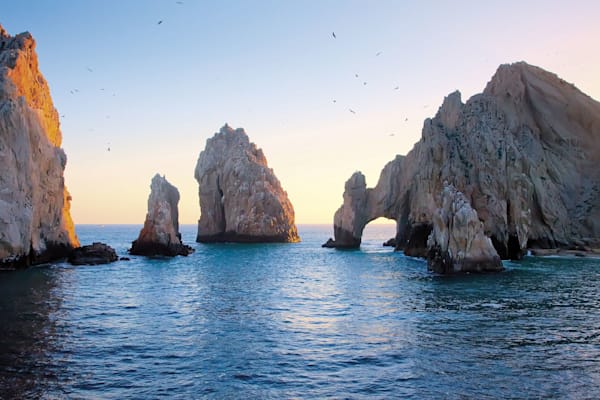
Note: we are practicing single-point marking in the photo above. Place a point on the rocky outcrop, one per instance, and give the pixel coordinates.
(523, 152)
(35, 222)
(160, 235)
(95, 254)
(241, 199)
(457, 242)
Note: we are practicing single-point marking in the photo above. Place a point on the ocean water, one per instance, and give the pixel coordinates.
(297, 321)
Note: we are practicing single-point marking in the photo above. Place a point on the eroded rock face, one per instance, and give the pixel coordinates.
(457, 242)
(35, 222)
(160, 235)
(241, 199)
(523, 152)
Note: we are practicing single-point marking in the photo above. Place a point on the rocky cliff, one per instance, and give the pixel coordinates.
(35, 223)
(241, 199)
(523, 152)
(160, 234)
(457, 242)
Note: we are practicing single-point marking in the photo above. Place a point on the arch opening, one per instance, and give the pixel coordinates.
(380, 232)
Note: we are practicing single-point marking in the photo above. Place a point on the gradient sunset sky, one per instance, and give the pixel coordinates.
(154, 92)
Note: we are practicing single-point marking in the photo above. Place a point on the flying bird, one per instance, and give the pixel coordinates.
(378, 53)
(356, 75)
(364, 83)
(159, 22)
(179, 2)
(405, 119)
(89, 69)
(352, 111)
(392, 134)
(333, 34)
(397, 87)
(334, 100)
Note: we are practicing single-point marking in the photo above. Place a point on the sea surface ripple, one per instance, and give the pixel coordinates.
(297, 321)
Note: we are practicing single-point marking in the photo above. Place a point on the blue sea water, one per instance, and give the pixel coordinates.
(297, 321)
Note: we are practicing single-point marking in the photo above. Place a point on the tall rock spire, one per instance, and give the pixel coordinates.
(241, 199)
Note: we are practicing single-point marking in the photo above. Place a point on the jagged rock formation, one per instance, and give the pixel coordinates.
(35, 222)
(241, 199)
(457, 242)
(160, 235)
(95, 254)
(523, 152)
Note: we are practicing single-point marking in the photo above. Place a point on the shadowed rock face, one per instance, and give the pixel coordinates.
(523, 152)
(160, 235)
(457, 242)
(95, 254)
(241, 200)
(35, 222)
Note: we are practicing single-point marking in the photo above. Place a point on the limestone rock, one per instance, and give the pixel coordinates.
(160, 235)
(35, 222)
(241, 199)
(457, 242)
(94, 254)
(524, 153)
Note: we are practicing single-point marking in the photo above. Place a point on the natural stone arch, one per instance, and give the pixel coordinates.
(361, 206)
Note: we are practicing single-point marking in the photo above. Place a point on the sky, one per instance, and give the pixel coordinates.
(154, 92)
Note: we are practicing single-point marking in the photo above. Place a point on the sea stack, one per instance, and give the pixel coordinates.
(457, 242)
(35, 222)
(241, 199)
(160, 235)
(524, 153)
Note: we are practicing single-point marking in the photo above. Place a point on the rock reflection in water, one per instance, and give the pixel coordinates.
(29, 335)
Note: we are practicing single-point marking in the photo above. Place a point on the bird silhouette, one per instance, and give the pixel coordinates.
(333, 34)
(392, 134)
(352, 111)
(159, 22)
(89, 69)
(397, 87)
(364, 83)
(334, 101)
(356, 75)
(405, 119)
(378, 53)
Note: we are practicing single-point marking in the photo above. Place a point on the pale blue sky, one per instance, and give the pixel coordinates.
(157, 92)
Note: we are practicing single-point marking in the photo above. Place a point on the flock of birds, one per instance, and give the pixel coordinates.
(356, 75)
(365, 83)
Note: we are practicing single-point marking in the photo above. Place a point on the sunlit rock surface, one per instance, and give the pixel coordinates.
(241, 199)
(524, 153)
(160, 235)
(35, 222)
(457, 242)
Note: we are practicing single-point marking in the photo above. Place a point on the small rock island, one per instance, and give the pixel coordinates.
(241, 199)
(160, 235)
